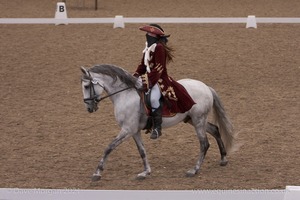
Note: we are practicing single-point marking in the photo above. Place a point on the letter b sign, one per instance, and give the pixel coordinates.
(61, 14)
(61, 9)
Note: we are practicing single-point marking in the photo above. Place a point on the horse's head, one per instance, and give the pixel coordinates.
(92, 88)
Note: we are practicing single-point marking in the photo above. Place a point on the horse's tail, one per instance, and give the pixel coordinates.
(223, 122)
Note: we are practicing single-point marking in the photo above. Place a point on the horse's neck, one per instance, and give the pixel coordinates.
(115, 90)
(111, 87)
(119, 91)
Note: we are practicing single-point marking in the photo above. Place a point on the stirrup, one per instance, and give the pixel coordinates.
(155, 134)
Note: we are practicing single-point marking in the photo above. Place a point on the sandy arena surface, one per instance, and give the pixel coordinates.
(49, 140)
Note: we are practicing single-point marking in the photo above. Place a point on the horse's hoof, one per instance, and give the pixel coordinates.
(96, 177)
(223, 162)
(142, 175)
(190, 173)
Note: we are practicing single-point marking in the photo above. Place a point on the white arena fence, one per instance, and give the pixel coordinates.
(119, 21)
(290, 193)
(145, 20)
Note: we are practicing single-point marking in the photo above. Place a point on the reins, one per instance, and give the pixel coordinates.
(102, 98)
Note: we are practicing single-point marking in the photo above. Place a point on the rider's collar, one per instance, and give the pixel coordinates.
(151, 48)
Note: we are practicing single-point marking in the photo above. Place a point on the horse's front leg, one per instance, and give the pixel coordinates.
(117, 141)
(139, 143)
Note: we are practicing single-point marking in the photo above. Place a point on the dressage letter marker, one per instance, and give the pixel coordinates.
(119, 22)
(61, 14)
(251, 22)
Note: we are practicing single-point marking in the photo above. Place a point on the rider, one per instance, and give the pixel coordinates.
(156, 81)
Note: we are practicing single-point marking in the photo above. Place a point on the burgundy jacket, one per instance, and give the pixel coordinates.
(175, 96)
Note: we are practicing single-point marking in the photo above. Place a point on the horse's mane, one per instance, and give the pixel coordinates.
(115, 72)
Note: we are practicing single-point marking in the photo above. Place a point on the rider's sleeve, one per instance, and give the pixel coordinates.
(141, 69)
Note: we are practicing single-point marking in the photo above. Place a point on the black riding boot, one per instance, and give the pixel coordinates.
(157, 121)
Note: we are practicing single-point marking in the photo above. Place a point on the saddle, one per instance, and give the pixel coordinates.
(145, 101)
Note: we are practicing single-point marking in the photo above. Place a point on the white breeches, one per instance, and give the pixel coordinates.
(155, 96)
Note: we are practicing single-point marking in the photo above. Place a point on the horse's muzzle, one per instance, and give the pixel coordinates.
(92, 105)
(92, 109)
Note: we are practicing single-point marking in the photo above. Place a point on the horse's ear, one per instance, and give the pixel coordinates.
(84, 71)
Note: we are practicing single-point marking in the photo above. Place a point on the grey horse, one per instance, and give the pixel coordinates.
(123, 89)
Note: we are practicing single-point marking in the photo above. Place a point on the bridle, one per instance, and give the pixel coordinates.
(93, 97)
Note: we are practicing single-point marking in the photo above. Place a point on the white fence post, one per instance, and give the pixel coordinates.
(251, 22)
(119, 22)
(292, 193)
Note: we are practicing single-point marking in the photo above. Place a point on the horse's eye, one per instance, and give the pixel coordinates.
(86, 87)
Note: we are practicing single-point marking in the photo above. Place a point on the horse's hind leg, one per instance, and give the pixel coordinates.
(214, 131)
(139, 143)
(200, 127)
